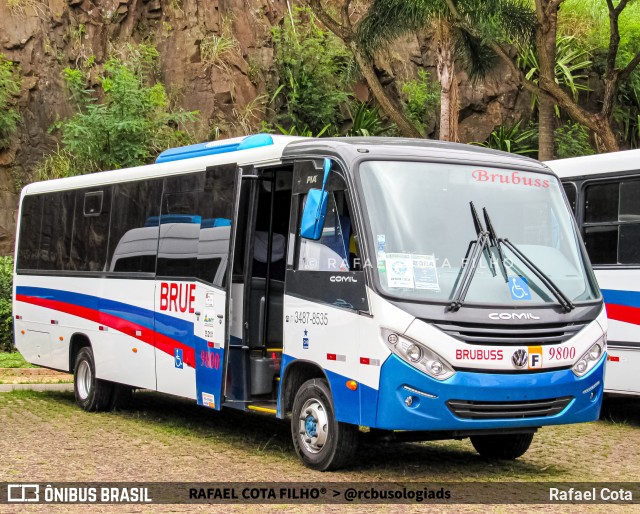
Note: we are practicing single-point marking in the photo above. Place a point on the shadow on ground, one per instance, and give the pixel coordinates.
(623, 410)
(447, 460)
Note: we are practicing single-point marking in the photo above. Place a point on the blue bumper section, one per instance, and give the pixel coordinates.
(427, 413)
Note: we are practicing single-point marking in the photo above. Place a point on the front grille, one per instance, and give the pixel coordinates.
(524, 335)
(504, 410)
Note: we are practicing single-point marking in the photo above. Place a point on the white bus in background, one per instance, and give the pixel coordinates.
(604, 193)
(423, 289)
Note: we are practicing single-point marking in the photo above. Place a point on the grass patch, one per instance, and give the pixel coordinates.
(13, 360)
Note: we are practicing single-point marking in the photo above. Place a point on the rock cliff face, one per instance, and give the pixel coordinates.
(45, 36)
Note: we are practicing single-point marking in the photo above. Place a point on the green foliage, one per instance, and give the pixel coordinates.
(214, 49)
(421, 98)
(513, 139)
(572, 63)
(572, 140)
(9, 87)
(59, 164)
(13, 360)
(6, 315)
(304, 132)
(496, 20)
(366, 122)
(126, 123)
(314, 70)
(626, 113)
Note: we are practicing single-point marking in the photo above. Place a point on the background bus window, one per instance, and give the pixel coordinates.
(572, 194)
(332, 251)
(612, 222)
(133, 243)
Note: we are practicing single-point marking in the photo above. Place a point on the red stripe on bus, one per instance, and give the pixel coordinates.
(623, 313)
(160, 341)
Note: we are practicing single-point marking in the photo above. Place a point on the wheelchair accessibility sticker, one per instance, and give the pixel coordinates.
(178, 357)
(519, 288)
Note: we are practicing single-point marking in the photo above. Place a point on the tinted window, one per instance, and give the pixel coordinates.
(601, 203)
(571, 192)
(195, 225)
(90, 230)
(56, 231)
(133, 242)
(29, 242)
(629, 201)
(612, 222)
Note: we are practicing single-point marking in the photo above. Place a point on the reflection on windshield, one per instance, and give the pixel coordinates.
(422, 229)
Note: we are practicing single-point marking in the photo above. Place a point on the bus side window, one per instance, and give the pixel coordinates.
(332, 251)
(612, 222)
(133, 242)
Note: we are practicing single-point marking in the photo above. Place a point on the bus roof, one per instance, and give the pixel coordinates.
(627, 160)
(263, 155)
(352, 148)
(271, 149)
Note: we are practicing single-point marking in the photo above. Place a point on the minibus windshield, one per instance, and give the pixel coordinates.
(424, 226)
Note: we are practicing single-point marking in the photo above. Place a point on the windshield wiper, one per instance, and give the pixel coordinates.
(494, 241)
(470, 263)
(551, 286)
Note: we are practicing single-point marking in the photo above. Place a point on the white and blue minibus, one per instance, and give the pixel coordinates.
(419, 289)
(604, 192)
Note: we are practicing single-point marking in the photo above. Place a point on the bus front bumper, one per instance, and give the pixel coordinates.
(411, 400)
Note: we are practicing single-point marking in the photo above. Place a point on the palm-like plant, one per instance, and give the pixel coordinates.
(512, 139)
(495, 20)
(571, 62)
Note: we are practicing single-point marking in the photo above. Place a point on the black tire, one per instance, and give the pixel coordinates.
(321, 446)
(502, 446)
(121, 397)
(92, 394)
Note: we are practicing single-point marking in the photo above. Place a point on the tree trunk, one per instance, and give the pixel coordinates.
(546, 34)
(546, 126)
(446, 73)
(405, 126)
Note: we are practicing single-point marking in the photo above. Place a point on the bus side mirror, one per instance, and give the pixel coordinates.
(315, 208)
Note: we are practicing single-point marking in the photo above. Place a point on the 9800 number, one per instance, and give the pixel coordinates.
(562, 353)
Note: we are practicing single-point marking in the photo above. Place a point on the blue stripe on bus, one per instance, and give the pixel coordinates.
(169, 326)
(620, 297)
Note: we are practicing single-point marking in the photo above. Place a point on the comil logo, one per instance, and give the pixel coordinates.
(340, 278)
(512, 315)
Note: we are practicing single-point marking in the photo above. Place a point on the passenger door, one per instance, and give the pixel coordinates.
(192, 285)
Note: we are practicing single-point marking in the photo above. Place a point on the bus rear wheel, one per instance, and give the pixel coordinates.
(322, 443)
(502, 446)
(91, 393)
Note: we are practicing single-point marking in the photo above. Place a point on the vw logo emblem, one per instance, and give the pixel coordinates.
(519, 358)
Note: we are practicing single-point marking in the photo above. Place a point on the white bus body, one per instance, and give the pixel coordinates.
(425, 290)
(604, 191)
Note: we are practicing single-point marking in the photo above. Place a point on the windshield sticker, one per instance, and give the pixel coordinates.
(381, 242)
(513, 178)
(399, 270)
(425, 274)
(519, 288)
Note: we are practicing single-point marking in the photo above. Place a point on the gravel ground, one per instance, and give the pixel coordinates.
(45, 437)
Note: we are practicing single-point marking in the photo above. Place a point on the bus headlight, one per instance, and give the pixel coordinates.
(417, 355)
(590, 357)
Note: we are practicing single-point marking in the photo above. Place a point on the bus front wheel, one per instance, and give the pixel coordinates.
(92, 394)
(321, 442)
(502, 446)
